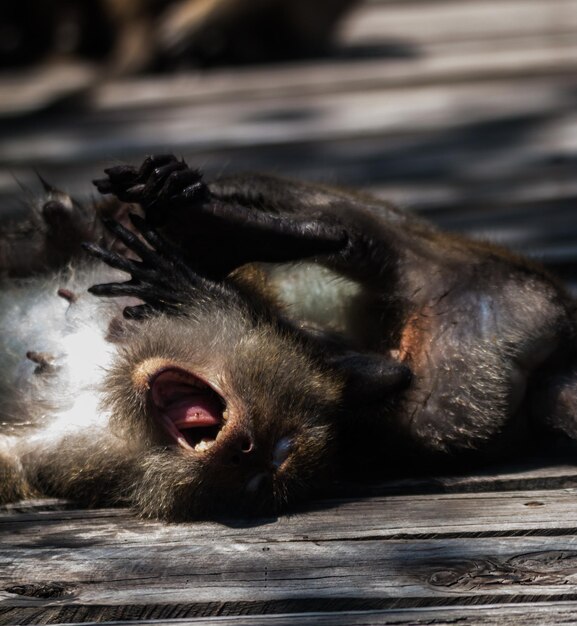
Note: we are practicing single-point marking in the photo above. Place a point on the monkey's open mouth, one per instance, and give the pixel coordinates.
(190, 411)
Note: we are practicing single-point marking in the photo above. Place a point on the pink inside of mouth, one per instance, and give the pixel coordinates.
(188, 409)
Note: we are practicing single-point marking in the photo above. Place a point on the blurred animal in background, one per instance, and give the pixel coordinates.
(273, 337)
(137, 35)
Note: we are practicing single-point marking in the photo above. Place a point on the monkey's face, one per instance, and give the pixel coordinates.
(240, 427)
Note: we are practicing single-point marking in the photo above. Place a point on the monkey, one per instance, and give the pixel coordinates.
(488, 336)
(272, 335)
(130, 36)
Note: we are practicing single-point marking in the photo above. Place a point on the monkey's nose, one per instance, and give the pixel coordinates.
(242, 449)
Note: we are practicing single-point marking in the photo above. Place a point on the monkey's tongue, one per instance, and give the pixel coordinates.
(194, 410)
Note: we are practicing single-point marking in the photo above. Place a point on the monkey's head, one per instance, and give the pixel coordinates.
(230, 416)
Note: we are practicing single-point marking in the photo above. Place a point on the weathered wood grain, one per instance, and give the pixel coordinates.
(308, 118)
(532, 614)
(426, 549)
(435, 41)
(530, 58)
(549, 512)
(448, 21)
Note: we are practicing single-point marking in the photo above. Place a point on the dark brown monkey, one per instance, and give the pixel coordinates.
(273, 346)
(489, 336)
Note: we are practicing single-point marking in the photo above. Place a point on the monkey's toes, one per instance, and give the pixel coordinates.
(126, 182)
(161, 184)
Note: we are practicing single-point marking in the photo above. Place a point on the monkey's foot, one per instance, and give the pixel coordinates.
(161, 184)
(49, 237)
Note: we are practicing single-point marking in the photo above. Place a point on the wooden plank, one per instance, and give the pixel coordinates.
(45, 86)
(308, 119)
(383, 517)
(532, 57)
(546, 474)
(429, 549)
(499, 160)
(526, 36)
(536, 614)
(433, 172)
(532, 614)
(39, 87)
(451, 20)
(197, 571)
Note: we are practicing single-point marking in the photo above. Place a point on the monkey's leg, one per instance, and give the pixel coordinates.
(51, 234)
(47, 238)
(222, 227)
(263, 219)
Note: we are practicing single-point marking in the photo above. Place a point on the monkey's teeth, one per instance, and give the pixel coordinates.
(203, 445)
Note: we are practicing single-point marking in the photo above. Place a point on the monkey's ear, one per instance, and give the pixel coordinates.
(371, 378)
(161, 279)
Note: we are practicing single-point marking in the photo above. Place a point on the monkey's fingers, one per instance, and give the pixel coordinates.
(183, 188)
(132, 242)
(151, 236)
(158, 297)
(165, 255)
(164, 282)
(112, 259)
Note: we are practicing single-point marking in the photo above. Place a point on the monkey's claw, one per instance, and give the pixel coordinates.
(161, 184)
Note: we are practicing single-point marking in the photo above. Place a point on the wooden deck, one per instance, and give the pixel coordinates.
(461, 550)
(465, 111)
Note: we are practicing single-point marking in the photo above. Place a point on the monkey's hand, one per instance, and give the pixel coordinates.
(161, 279)
(219, 231)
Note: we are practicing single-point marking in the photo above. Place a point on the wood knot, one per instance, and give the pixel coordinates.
(47, 590)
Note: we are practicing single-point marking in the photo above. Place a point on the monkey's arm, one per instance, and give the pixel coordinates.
(225, 225)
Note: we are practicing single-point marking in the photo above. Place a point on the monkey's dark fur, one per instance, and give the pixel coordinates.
(277, 336)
